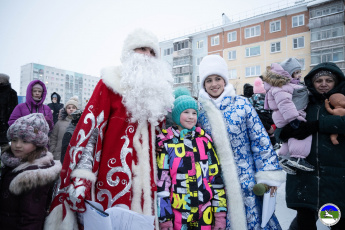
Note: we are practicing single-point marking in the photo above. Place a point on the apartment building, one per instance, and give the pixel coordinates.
(311, 31)
(65, 83)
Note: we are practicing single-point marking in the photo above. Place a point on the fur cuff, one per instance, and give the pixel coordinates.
(271, 178)
(85, 174)
(54, 220)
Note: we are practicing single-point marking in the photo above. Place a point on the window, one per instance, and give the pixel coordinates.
(298, 43)
(253, 51)
(253, 71)
(47, 71)
(180, 45)
(62, 74)
(198, 60)
(232, 36)
(275, 47)
(326, 11)
(232, 73)
(215, 40)
(275, 26)
(200, 44)
(252, 31)
(232, 55)
(302, 62)
(327, 32)
(328, 55)
(168, 52)
(57, 74)
(298, 20)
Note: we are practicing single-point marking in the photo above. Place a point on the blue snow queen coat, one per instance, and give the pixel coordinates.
(245, 153)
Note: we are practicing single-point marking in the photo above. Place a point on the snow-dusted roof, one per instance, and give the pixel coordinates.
(317, 2)
(181, 39)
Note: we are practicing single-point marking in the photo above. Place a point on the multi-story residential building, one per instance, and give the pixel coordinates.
(64, 82)
(326, 23)
(311, 31)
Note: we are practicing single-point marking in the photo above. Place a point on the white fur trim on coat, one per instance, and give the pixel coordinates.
(141, 186)
(30, 179)
(54, 219)
(226, 157)
(271, 178)
(111, 77)
(84, 174)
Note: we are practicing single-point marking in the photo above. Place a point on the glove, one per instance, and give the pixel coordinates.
(295, 124)
(166, 225)
(220, 221)
(78, 191)
(304, 130)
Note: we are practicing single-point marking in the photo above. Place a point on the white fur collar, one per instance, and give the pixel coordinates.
(228, 91)
(226, 157)
(111, 77)
(30, 179)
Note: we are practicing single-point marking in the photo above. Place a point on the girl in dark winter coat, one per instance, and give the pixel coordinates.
(35, 96)
(308, 191)
(28, 175)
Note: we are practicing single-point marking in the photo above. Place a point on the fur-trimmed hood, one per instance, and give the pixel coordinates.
(274, 79)
(111, 77)
(40, 172)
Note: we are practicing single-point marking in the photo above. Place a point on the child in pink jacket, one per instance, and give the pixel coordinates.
(288, 101)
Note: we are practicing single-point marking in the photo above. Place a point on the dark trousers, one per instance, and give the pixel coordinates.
(306, 219)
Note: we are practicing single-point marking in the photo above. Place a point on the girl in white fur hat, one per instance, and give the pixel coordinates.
(55, 139)
(243, 146)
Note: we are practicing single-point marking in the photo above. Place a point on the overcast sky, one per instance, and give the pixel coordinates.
(86, 35)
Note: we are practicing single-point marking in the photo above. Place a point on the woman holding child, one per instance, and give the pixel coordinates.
(243, 146)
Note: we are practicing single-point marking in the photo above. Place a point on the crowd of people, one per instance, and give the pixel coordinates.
(192, 163)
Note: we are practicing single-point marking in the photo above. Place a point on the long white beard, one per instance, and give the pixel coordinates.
(147, 86)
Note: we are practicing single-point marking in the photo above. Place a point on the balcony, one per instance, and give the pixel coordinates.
(182, 53)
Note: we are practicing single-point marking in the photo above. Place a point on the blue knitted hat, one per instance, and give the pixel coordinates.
(183, 101)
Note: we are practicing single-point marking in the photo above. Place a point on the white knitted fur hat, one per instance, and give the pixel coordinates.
(72, 101)
(140, 38)
(213, 65)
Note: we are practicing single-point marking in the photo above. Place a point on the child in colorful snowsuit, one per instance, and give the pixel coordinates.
(286, 110)
(28, 175)
(190, 187)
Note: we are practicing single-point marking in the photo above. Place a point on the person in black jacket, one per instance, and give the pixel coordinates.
(55, 106)
(307, 192)
(8, 101)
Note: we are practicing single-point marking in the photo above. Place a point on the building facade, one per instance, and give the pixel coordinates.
(311, 31)
(65, 83)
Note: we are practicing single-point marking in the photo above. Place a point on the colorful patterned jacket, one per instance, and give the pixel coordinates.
(189, 184)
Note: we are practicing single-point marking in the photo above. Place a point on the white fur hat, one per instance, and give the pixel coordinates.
(72, 101)
(140, 38)
(213, 64)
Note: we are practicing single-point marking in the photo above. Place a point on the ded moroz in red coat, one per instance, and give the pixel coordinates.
(122, 156)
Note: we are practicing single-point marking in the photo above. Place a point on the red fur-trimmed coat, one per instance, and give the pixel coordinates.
(123, 156)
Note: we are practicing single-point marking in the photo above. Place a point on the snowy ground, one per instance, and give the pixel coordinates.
(286, 215)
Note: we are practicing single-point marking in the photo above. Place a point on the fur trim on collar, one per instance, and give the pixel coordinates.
(229, 91)
(30, 179)
(111, 77)
(229, 167)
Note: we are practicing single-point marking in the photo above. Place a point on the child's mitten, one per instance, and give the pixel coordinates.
(166, 225)
(220, 221)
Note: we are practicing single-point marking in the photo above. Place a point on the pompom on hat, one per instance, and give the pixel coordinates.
(140, 38)
(213, 65)
(291, 65)
(258, 86)
(183, 101)
(32, 128)
(72, 101)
